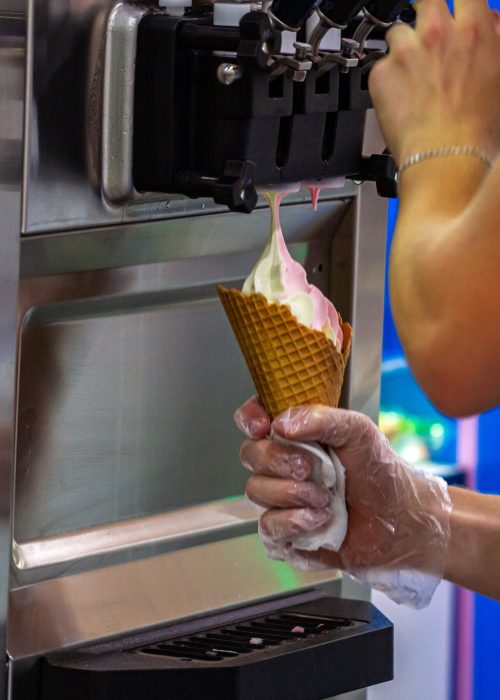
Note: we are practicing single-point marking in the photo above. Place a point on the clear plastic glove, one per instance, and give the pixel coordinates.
(398, 531)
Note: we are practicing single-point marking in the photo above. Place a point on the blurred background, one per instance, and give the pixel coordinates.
(451, 651)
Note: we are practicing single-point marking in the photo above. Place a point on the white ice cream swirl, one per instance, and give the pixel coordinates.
(283, 280)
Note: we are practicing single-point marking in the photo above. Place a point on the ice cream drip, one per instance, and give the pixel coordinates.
(315, 187)
(283, 280)
(314, 192)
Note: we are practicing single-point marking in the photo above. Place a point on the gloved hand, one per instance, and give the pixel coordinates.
(398, 529)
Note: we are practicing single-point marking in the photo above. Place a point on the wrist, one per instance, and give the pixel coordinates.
(474, 553)
(471, 138)
(428, 509)
(440, 186)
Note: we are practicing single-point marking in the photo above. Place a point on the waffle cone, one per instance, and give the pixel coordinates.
(291, 364)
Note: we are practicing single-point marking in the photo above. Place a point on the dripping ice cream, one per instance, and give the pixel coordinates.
(283, 280)
(293, 340)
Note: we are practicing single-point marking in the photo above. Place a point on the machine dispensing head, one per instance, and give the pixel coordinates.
(220, 109)
(333, 14)
(290, 15)
(379, 13)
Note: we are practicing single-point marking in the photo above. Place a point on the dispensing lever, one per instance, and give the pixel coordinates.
(381, 13)
(338, 13)
(235, 189)
(385, 11)
(290, 15)
(333, 14)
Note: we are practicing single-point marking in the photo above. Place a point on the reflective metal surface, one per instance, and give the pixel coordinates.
(129, 377)
(127, 462)
(64, 121)
(79, 50)
(74, 610)
(118, 102)
(127, 534)
(12, 84)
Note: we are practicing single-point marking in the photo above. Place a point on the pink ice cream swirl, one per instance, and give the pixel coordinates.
(283, 280)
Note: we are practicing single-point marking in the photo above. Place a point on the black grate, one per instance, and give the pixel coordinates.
(307, 645)
(246, 637)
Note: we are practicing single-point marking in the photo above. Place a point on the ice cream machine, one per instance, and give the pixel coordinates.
(132, 136)
(220, 100)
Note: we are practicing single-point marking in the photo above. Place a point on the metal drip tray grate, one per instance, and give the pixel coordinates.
(251, 636)
(307, 647)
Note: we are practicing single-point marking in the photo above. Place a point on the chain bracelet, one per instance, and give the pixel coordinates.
(471, 151)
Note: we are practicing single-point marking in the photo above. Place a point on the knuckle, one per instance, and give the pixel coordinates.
(433, 35)
(403, 53)
(470, 34)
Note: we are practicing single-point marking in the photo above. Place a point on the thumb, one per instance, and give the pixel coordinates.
(332, 426)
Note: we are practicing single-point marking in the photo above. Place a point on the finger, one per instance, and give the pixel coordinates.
(282, 524)
(434, 25)
(403, 45)
(252, 420)
(430, 11)
(333, 426)
(465, 10)
(269, 492)
(270, 458)
(399, 34)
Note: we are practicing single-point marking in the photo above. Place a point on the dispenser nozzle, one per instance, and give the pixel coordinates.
(290, 15)
(333, 14)
(381, 13)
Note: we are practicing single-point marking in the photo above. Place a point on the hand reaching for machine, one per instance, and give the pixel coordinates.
(440, 84)
(398, 517)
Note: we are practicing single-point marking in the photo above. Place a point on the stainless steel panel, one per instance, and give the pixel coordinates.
(68, 74)
(359, 253)
(74, 610)
(117, 416)
(128, 381)
(64, 112)
(126, 245)
(118, 104)
(129, 373)
(227, 515)
(12, 81)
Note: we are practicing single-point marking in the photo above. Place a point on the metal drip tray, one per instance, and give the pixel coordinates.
(321, 647)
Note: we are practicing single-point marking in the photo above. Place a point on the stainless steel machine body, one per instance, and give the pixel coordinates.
(120, 483)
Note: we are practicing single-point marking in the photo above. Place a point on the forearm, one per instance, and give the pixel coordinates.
(434, 293)
(433, 195)
(474, 550)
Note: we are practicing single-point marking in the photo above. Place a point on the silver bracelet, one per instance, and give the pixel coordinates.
(472, 151)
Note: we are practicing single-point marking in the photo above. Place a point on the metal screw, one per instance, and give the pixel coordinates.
(301, 50)
(228, 73)
(349, 47)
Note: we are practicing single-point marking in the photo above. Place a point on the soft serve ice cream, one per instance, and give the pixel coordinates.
(295, 344)
(282, 280)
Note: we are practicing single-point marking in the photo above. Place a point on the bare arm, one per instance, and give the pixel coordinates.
(474, 549)
(444, 274)
(445, 281)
